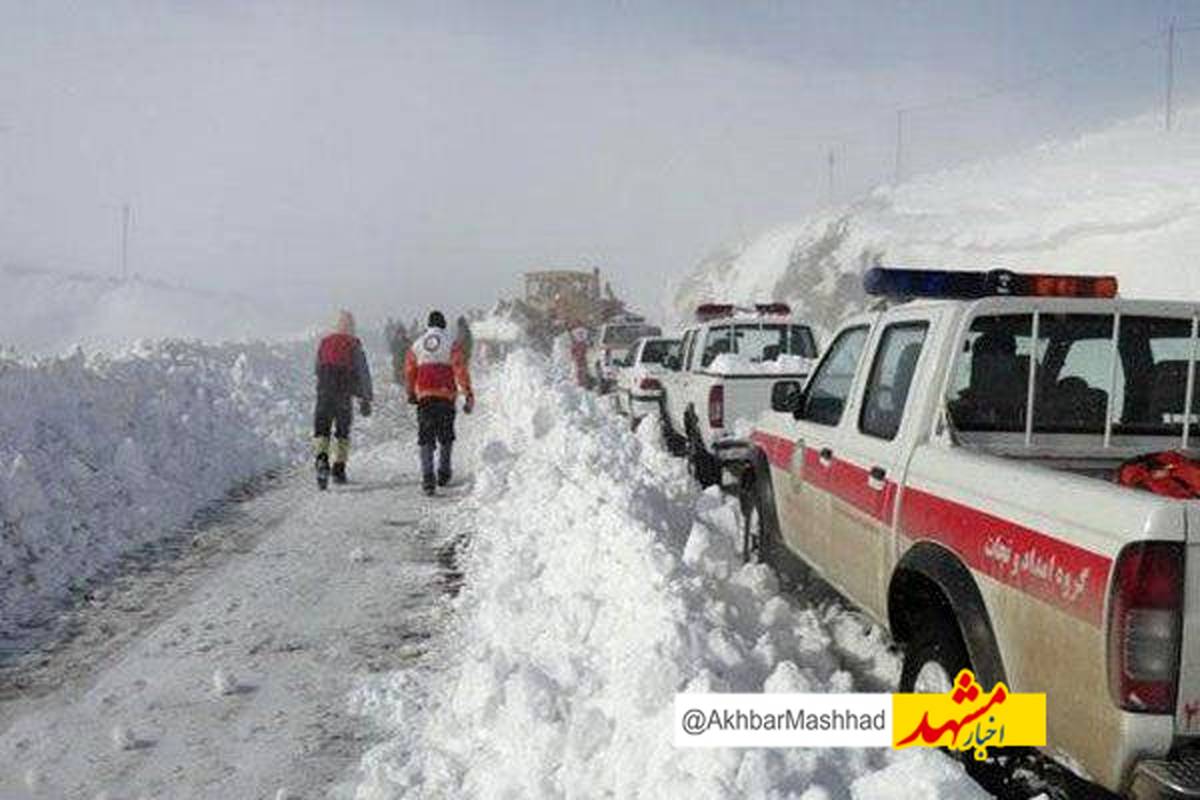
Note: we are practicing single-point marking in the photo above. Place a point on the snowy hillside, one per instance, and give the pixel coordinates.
(52, 312)
(1125, 200)
(99, 455)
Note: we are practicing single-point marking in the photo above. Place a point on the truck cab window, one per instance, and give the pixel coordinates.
(827, 392)
(1075, 374)
(991, 381)
(719, 340)
(689, 340)
(891, 377)
(762, 343)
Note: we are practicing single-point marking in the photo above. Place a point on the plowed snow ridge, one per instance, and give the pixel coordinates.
(599, 583)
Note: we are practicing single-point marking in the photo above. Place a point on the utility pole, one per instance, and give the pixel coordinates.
(831, 195)
(1170, 72)
(125, 242)
(899, 144)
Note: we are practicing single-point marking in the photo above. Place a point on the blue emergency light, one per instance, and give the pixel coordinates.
(966, 285)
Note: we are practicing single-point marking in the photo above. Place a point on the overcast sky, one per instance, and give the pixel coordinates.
(389, 154)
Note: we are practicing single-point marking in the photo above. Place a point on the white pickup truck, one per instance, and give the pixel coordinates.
(638, 392)
(950, 467)
(729, 363)
(612, 344)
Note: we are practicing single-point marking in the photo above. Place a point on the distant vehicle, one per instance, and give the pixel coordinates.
(638, 390)
(611, 345)
(731, 359)
(950, 467)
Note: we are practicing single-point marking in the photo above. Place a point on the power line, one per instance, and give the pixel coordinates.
(1045, 76)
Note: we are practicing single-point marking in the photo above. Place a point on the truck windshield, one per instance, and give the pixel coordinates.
(655, 350)
(1084, 376)
(625, 335)
(758, 343)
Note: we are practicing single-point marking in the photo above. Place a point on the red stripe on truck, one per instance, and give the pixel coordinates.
(1056, 572)
(848, 482)
(777, 449)
(1061, 574)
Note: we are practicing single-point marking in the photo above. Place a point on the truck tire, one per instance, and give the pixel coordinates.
(759, 523)
(676, 444)
(933, 658)
(703, 465)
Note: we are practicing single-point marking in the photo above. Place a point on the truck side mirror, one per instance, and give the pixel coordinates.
(786, 396)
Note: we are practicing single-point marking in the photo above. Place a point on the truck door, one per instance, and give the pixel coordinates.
(803, 503)
(875, 447)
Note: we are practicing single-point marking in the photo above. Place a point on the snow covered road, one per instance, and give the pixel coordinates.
(314, 645)
(227, 671)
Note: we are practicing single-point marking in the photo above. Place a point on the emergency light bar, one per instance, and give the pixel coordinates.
(997, 282)
(778, 309)
(707, 311)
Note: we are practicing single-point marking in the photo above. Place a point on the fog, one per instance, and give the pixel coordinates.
(388, 156)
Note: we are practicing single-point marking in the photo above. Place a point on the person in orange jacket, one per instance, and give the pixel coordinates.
(435, 372)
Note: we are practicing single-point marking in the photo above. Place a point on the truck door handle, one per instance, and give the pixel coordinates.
(877, 478)
(825, 456)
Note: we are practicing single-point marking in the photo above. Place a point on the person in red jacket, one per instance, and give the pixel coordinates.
(342, 374)
(435, 372)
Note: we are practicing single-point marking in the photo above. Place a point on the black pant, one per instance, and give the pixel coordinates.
(334, 410)
(435, 421)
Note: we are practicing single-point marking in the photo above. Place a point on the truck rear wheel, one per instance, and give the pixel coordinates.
(933, 659)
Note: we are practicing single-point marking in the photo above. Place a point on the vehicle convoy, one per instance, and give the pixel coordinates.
(730, 360)
(638, 389)
(611, 346)
(950, 467)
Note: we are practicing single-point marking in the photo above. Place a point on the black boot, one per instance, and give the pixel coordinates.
(443, 478)
(322, 470)
(429, 489)
(339, 472)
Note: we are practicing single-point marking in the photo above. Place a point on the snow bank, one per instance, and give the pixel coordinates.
(599, 584)
(1125, 200)
(99, 455)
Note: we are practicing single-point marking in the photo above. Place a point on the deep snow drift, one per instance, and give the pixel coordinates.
(100, 454)
(56, 311)
(1125, 200)
(599, 583)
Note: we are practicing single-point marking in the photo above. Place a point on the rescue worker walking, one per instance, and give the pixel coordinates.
(342, 375)
(435, 371)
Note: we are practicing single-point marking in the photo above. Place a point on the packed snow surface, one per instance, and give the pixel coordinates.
(600, 582)
(100, 454)
(1124, 201)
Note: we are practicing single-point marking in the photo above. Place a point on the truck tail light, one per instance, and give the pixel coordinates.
(716, 407)
(649, 385)
(1144, 625)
